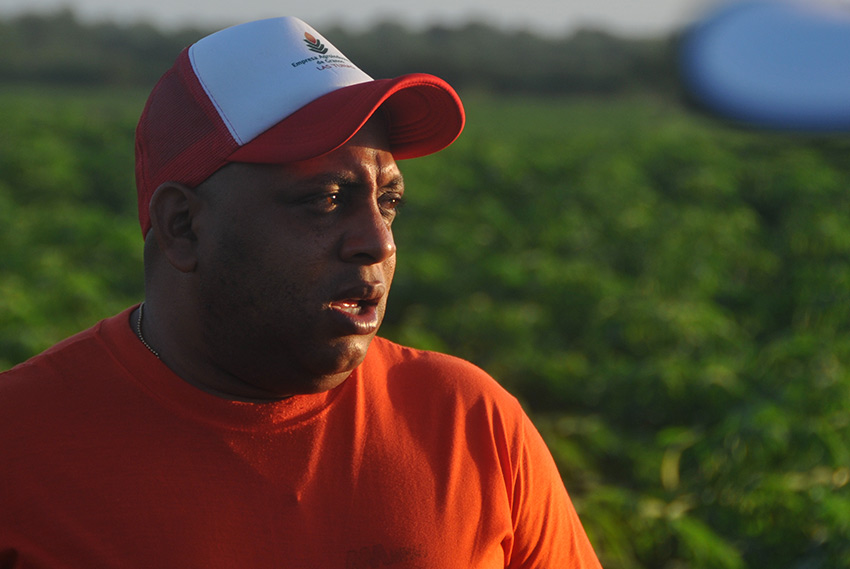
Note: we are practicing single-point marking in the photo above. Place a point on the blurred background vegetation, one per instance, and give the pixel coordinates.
(667, 294)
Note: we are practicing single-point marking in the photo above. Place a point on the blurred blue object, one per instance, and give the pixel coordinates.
(772, 63)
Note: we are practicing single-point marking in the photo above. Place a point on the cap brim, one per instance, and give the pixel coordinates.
(424, 115)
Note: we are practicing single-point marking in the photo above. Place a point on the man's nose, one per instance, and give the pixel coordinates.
(369, 237)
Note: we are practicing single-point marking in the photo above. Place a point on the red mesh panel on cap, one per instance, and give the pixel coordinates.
(180, 136)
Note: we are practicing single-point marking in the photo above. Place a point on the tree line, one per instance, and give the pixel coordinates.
(59, 49)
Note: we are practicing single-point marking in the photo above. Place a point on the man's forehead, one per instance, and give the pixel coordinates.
(347, 166)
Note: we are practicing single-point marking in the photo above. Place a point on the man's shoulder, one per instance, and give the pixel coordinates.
(433, 372)
(77, 355)
(399, 357)
(72, 349)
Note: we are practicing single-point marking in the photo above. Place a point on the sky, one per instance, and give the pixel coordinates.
(546, 17)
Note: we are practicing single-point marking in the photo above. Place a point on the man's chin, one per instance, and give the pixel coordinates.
(342, 358)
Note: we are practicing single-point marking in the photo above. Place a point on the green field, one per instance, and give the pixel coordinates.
(666, 294)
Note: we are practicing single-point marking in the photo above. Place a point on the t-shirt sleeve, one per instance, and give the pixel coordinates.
(547, 530)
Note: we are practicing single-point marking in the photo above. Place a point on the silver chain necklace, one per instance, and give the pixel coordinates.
(139, 331)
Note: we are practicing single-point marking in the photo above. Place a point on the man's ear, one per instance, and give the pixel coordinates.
(173, 208)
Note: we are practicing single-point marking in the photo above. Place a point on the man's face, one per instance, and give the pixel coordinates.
(295, 262)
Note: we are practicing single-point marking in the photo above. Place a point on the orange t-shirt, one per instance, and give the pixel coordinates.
(418, 460)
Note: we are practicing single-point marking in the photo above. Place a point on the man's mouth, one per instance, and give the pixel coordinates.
(354, 306)
(357, 308)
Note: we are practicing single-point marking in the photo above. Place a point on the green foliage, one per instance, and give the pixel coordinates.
(666, 295)
(71, 254)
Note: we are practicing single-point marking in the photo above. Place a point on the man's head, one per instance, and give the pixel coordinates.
(271, 249)
(275, 91)
(284, 269)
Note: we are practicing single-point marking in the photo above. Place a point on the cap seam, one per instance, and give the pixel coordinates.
(230, 127)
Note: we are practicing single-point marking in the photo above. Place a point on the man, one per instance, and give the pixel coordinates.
(245, 414)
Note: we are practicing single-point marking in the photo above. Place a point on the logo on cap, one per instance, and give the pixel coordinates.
(314, 44)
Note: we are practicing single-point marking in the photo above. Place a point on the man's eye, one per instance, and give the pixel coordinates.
(324, 203)
(391, 203)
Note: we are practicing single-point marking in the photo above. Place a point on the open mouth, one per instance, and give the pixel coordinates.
(357, 308)
(354, 307)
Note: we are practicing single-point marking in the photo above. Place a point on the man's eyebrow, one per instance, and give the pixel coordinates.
(396, 183)
(350, 179)
(331, 179)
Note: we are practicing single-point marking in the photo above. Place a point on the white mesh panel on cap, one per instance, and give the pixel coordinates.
(259, 73)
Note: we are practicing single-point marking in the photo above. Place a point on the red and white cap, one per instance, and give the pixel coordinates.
(276, 91)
